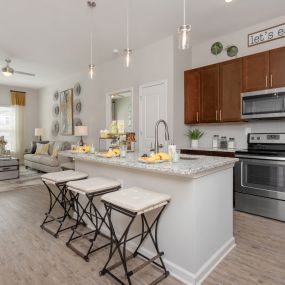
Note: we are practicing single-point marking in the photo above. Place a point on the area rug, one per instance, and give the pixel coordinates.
(27, 177)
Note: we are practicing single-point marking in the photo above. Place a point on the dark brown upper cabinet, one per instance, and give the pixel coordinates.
(213, 93)
(277, 68)
(210, 94)
(256, 72)
(230, 91)
(192, 83)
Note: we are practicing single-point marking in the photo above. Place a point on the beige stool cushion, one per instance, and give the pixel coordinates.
(92, 185)
(136, 199)
(63, 176)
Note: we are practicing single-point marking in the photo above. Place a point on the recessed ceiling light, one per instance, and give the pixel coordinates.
(228, 1)
(115, 51)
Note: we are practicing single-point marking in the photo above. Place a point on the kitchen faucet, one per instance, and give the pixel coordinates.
(156, 143)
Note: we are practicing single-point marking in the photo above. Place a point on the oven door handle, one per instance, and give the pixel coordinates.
(260, 157)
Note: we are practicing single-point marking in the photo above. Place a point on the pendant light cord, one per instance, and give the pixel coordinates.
(184, 12)
(128, 40)
(91, 47)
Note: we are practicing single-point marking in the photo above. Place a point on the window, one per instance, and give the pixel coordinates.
(7, 126)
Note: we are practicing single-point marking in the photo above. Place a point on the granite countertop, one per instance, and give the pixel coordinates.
(193, 167)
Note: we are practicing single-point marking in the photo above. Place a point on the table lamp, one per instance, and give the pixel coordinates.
(81, 131)
(39, 132)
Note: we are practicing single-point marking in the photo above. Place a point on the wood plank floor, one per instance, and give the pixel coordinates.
(30, 256)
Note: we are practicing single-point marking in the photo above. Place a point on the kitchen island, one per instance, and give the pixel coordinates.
(196, 230)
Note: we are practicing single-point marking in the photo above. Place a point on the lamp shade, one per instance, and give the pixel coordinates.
(81, 131)
(39, 132)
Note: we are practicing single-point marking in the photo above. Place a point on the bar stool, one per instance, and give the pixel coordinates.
(90, 188)
(58, 197)
(135, 202)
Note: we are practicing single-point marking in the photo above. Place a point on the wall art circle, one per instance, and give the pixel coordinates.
(232, 51)
(55, 128)
(217, 48)
(55, 110)
(77, 106)
(77, 122)
(56, 95)
(77, 89)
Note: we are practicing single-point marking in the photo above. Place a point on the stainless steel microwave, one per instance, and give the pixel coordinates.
(263, 104)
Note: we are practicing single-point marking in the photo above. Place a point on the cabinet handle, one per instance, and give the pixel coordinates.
(271, 80)
(216, 115)
(266, 81)
(220, 115)
(197, 117)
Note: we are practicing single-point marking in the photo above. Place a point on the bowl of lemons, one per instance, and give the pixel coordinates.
(110, 153)
(156, 158)
(81, 149)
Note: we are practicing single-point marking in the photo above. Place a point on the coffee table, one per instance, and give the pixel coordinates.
(9, 168)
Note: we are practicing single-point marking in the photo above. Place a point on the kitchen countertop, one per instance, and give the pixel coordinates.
(193, 167)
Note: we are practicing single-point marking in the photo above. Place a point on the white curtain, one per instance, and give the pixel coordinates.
(18, 139)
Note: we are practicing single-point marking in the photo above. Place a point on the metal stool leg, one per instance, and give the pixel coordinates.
(117, 243)
(64, 202)
(96, 219)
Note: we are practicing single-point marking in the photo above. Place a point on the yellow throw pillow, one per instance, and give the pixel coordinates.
(42, 148)
(55, 152)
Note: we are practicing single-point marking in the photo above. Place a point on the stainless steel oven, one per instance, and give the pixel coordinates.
(263, 104)
(260, 176)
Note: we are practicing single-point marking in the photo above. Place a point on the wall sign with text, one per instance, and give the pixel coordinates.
(267, 35)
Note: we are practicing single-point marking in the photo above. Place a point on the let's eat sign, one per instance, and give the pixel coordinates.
(267, 35)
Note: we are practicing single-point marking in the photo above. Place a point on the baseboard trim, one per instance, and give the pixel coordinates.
(216, 258)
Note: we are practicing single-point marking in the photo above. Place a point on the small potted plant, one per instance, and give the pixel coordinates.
(194, 135)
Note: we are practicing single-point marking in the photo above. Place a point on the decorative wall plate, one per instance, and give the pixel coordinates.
(232, 51)
(77, 106)
(55, 128)
(217, 48)
(77, 89)
(77, 122)
(55, 110)
(56, 95)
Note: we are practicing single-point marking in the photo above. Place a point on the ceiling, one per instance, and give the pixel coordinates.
(52, 37)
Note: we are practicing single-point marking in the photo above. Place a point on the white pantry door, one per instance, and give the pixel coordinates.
(153, 107)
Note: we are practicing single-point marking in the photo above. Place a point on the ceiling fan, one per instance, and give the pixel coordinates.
(8, 70)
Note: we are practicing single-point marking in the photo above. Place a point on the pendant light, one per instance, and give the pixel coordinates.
(91, 67)
(184, 32)
(128, 51)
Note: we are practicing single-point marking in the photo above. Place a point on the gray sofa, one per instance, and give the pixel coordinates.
(45, 162)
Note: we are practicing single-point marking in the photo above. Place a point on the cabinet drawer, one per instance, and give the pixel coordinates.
(9, 175)
(8, 168)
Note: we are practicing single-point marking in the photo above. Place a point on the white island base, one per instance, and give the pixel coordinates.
(196, 229)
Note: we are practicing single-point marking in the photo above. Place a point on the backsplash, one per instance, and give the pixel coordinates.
(237, 131)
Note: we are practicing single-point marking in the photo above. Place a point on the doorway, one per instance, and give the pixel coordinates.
(153, 106)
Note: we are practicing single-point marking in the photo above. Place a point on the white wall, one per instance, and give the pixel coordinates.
(31, 109)
(159, 61)
(150, 64)
(201, 55)
(202, 52)
(182, 61)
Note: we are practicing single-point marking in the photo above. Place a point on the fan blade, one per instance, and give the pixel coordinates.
(24, 73)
